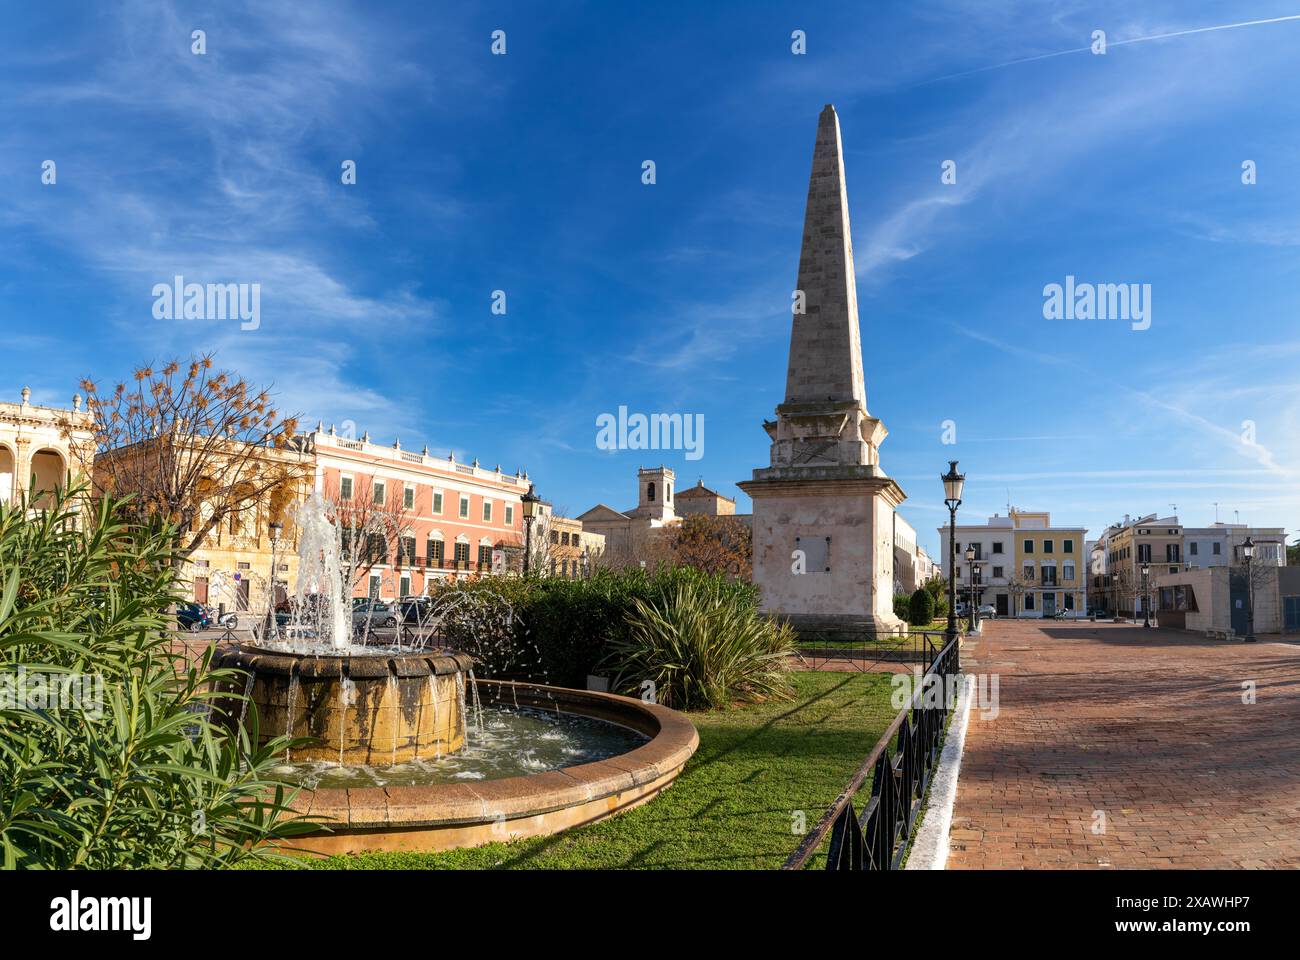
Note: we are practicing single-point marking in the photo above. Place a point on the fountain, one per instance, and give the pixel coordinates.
(406, 749)
(357, 703)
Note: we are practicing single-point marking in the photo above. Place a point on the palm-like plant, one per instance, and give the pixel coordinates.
(701, 646)
(143, 773)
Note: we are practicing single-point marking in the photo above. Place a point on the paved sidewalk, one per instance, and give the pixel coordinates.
(1141, 732)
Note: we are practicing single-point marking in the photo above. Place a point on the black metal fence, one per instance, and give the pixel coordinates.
(868, 655)
(879, 838)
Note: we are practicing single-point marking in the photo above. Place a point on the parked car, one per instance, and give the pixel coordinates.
(375, 612)
(414, 610)
(988, 611)
(193, 617)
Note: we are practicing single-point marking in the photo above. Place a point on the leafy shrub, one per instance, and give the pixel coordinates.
(564, 629)
(902, 606)
(937, 587)
(702, 646)
(921, 608)
(146, 775)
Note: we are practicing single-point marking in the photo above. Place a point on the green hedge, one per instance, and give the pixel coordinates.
(564, 630)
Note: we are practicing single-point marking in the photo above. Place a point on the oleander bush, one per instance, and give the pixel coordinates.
(135, 770)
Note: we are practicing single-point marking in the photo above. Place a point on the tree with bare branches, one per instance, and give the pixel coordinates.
(372, 521)
(721, 544)
(194, 446)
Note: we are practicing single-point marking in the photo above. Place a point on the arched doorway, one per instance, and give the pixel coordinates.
(7, 467)
(49, 473)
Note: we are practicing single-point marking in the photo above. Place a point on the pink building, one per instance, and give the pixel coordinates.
(433, 518)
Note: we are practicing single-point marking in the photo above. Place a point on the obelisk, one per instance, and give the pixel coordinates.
(823, 508)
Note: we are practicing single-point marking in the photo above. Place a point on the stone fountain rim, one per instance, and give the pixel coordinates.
(406, 663)
(474, 808)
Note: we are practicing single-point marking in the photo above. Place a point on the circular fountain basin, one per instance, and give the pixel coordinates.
(367, 707)
(443, 816)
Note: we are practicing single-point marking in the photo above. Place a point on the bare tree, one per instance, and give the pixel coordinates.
(720, 544)
(194, 446)
(372, 520)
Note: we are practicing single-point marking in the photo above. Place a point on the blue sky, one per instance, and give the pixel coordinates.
(523, 173)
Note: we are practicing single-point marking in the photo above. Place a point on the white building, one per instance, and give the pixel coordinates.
(1219, 545)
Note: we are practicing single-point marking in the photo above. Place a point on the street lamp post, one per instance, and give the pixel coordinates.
(528, 503)
(952, 488)
(1146, 595)
(977, 573)
(970, 587)
(269, 631)
(1248, 551)
(533, 508)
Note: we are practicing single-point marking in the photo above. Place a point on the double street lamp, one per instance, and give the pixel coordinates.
(952, 488)
(1248, 551)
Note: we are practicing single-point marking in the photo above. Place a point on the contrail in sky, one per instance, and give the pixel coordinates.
(1109, 44)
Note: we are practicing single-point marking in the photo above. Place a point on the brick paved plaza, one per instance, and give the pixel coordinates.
(1146, 726)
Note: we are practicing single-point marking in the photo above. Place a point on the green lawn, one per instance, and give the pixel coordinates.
(735, 804)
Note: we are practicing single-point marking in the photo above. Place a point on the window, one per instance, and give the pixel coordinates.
(406, 550)
(377, 497)
(1144, 552)
(1067, 572)
(959, 573)
(437, 501)
(374, 586)
(1216, 551)
(462, 553)
(1029, 546)
(1029, 571)
(555, 537)
(997, 547)
(434, 548)
(1067, 546)
(1029, 601)
(1047, 546)
(979, 550)
(404, 586)
(345, 489)
(1171, 553)
(484, 556)
(510, 514)
(650, 492)
(408, 497)
(997, 572)
(464, 507)
(487, 511)
(1049, 576)
(1191, 548)
(1069, 601)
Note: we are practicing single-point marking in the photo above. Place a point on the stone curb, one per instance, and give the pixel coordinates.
(930, 848)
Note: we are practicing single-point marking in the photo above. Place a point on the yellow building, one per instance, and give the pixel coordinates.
(230, 560)
(1051, 569)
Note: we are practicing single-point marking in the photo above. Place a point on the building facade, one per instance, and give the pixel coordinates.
(42, 447)
(1028, 566)
(427, 518)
